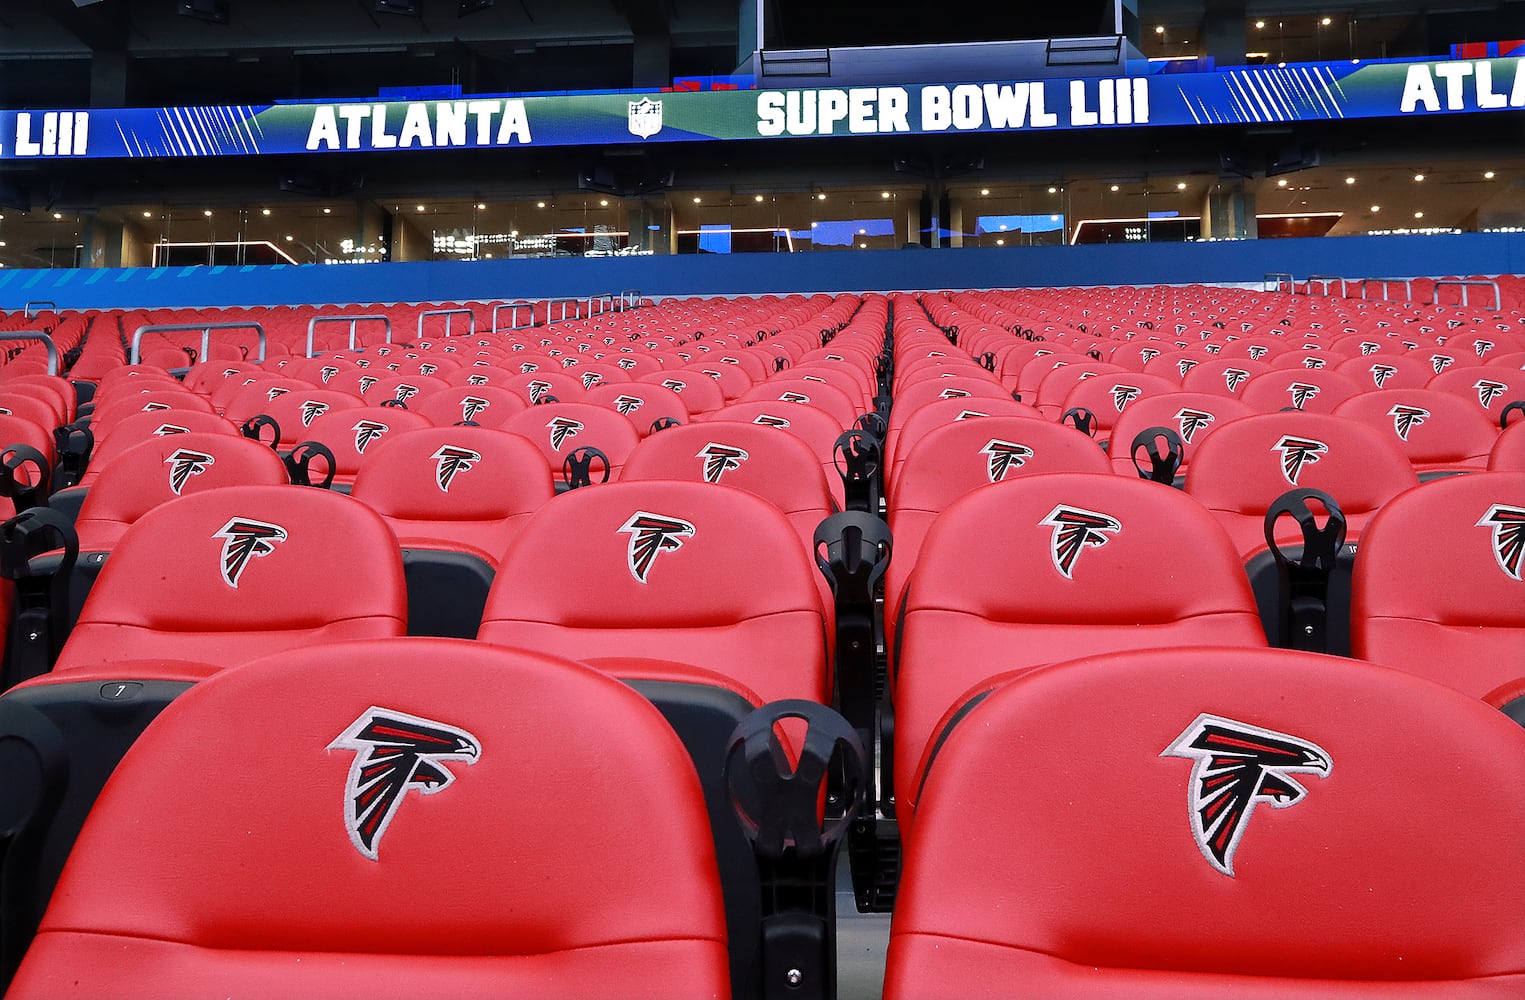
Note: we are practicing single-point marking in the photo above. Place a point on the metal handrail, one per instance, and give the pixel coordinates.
(471, 320)
(206, 336)
(353, 321)
(1279, 277)
(513, 318)
(563, 302)
(1326, 279)
(32, 308)
(630, 298)
(1464, 284)
(1408, 287)
(47, 342)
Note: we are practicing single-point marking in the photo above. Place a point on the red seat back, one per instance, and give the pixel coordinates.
(1192, 415)
(558, 429)
(1439, 432)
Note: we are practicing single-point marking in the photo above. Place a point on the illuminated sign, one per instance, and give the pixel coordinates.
(1239, 96)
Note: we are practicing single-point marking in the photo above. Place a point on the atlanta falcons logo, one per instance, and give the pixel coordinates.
(311, 410)
(1076, 529)
(1213, 348)
(1405, 418)
(184, 464)
(567, 362)
(1235, 767)
(538, 389)
(472, 405)
(383, 351)
(166, 429)
(590, 379)
(813, 378)
(406, 392)
(562, 428)
(1313, 364)
(226, 373)
(451, 462)
(795, 397)
(649, 534)
(1122, 395)
(712, 373)
(1441, 362)
(945, 394)
(1233, 376)
(676, 385)
(1508, 525)
(367, 431)
(1482, 347)
(395, 753)
(244, 539)
(1301, 392)
(526, 367)
(1256, 353)
(363, 363)
(720, 459)
(327, 372)
(427, 369)
(366, 381)
(1367, 347)
(1148, 354)
(151, 407)
(1185, 365)
(1003, 456)
(1296, 453)
(1190, 421)
(626, 363)
(1381, 373)
(1487, 391)
(476, 379)
(768, 420)
(969, 414)
(275, 392)
(628, 404)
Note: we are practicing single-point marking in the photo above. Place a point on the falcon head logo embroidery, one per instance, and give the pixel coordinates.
(275, 392)
(226, 372)
(719, 459)
(768, 420)
(472, 405)
(568, 362)
(1235, 767)
(1185, 365)
(165, 429)
(1508, 525)
(1381, 373)
(244, 539)
(1148, 354)
(427, 368)
(363, 363)
(152, 407)
(650, 534)
(1440, 362)
(1212, 348)
(367, 431)
(406, 392)
(1191, 421)
(562, 428)
(1301, 392)
(626, 363)
(794, 397)
(1482, 347)
(395, 753)
(1076, 529)
(185, 463)
(590, 379)
(1298, 453)
(451, 462)
(476, 379)
(1122, 395)
(526, 367)
(1406, 418)
(675, 384)
(712, 373)
(628, 404)
(327, 372)
(1488, 390)
(383, 351)
(969, 414)
(537, 390)
(1233, 376)
(366, 381)
(1003, 456)
(1367, 347)
(945, 394)
(1313, 364)
(311, 410)
(1256, 353)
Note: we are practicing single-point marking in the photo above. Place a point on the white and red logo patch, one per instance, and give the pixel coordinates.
(366, 381)
(945, 394)
(1488, 390)
(406, 392)
(1381, 373)
(163, 430)
(327, 372)
(1122, 395)
(1507, 522)
(312, 410)
(651, 534)
(1297, 454)
(798, 397)
(1185, 365)
(1075, 530)
(628, 404)
(537, 390)
(1190, 421)
(562, 428)
(451, 461)
(1406, 418)
(1235, 767)
(245, 539)
(185, 463)
(154, 407)
(476, 379)
(1301, 392)
(1233, 377)
(769, 420)
(719, 459)
(395, 753)
(275, 392)
(1313, 364)
(1483, 347)
(472, 405)
(1004, 456)
(367, 431)
(1440, 362)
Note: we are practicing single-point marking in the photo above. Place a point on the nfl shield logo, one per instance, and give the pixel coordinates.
(645, 117)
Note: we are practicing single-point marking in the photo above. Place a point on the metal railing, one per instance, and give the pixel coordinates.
(1326, 280)
(353, 321)
(630, 298)
(513, 318)
(563, 302)
(1408, 287)
(38, 335)
(1464, 284)
(135, 355)
(32, 308)
(1273, 281)
(471, 320)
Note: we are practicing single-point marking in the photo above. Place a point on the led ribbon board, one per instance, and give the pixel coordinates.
(1247, 95)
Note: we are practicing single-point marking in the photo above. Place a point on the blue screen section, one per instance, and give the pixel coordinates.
(1046, 223)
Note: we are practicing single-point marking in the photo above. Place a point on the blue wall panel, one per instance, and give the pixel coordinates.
(1177, 263)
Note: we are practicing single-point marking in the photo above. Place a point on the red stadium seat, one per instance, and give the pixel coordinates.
(1437, 588)
(1440, 433)
(559, 429)
(1490, 387)
(798, 390)
(589, 908)
(645, 403)
(1192, 415)
(1222, 376)
(904, 434)
(351, 433)
(1109, 395)
(1508, 453)
(1310, 391)
(486, 405)
(1387, 371)
(1044, 801)
(811, 424)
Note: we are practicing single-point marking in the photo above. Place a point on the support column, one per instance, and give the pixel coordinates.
(1228, 212)
(103, 242)
(1223, 32)
(108, 78)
